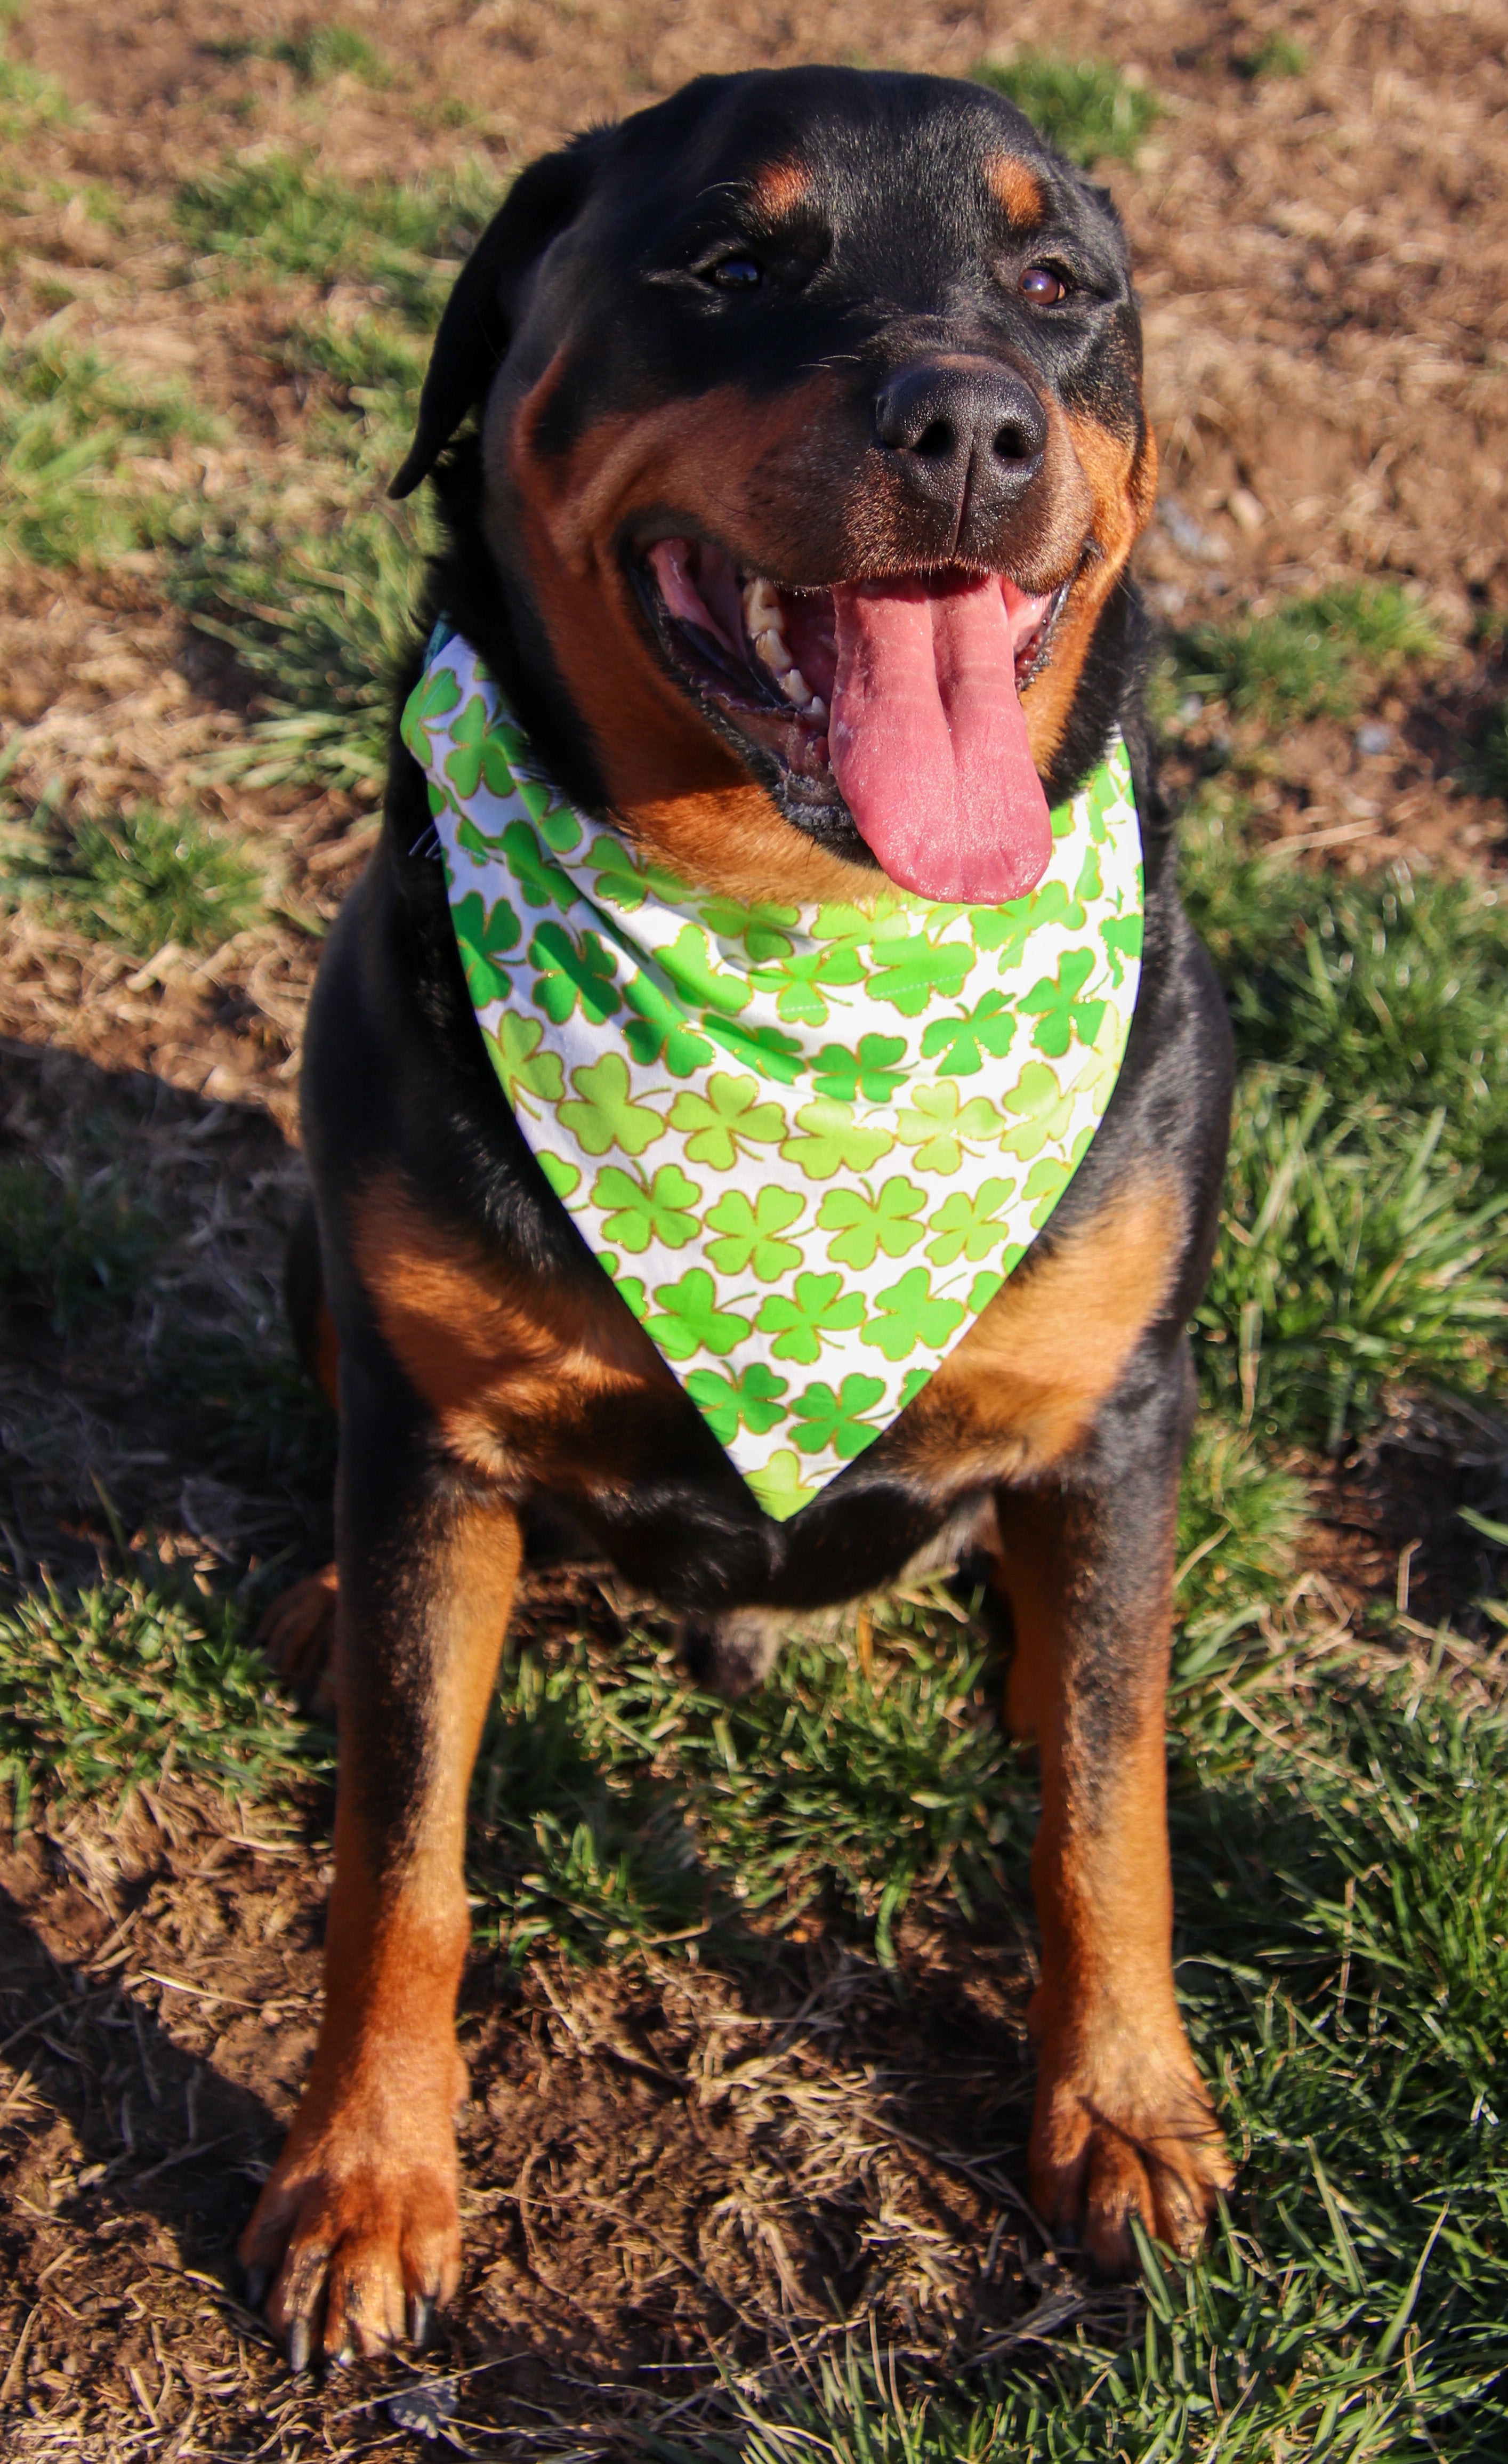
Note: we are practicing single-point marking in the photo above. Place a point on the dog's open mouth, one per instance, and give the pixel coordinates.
(902, 698)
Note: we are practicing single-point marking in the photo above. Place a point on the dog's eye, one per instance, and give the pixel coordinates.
(737, 272)
(1042, 287)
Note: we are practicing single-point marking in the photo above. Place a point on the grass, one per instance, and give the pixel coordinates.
(1364, 1241)
(66, 1244)
(278, 217)
(27, 101)
(1308, 658)
(316, 55)
(1084, 107)
(71, 427)
(141, 880)
(319, 614)
(258, 1421)
(320, 621)
(1393, 986)
(1277, 55)
(1239, 1523)
(1343, 1857)
(1342, 1854)
(618, 1805)
(1354, 1256)
(379, 361)
(1485, 768)
(130, 1681)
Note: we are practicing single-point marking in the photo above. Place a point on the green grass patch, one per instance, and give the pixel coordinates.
(379, 361)
(71, 427)
(618, 1805)
(130, 1681)
(1343, 1860)
(1277, 55)
(140, 880)
(1364, 1242)
(27, 101)
(1084, 107)
(280, 216)
(69, 1244)
(1392, 988)
(1353, 1257)
(258, 1421)
(1239, 1521)
(613, 1804)
(316, 55)
(1485, 768)
(319, 613)
(1311, 658)
(320, 621)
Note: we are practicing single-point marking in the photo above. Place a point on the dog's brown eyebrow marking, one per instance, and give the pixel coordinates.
(780, 189)
(1016, 185)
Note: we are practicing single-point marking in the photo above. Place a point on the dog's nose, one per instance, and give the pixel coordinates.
(962, 428)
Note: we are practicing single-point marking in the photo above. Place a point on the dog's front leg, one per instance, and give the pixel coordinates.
(1124, 2124)
(359, 2222)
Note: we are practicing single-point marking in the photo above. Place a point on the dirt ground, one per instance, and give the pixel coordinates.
(683, 2154)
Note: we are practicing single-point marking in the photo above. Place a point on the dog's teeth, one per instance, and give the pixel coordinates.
(772, 646)
(762, 609)
(794, 687)
(817, 708)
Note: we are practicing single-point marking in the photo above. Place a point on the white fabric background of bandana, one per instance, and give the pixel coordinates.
(807, 1144)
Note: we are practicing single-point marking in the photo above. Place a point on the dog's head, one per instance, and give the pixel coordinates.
(813, 450)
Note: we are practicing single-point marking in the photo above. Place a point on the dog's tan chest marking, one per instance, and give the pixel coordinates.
(510, 1365)
(1021, 1389)
(512, 1368)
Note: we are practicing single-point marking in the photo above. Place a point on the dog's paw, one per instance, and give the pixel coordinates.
(358, 2232)
(297, 1635)
(1122, 2131)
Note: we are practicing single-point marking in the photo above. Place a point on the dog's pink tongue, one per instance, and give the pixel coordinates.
(929, 743)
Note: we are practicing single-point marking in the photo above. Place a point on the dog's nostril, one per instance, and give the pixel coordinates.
(937, 440)
(1013, 444)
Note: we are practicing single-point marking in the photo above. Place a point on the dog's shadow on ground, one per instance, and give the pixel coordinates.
(113, 2124)
(145, 1372)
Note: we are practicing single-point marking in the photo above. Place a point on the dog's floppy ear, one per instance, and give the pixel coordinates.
(474, 331)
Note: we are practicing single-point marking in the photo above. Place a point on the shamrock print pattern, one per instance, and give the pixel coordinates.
(807, 1144)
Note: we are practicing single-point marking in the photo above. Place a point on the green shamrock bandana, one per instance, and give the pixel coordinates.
(807, 1143)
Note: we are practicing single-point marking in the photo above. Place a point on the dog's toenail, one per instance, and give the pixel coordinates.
(256, 2279)
(421, 2311)
(299, 2343)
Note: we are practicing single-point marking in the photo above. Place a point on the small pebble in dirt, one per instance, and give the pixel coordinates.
(1189, 709)
(425, 2409)
(1188, 535)
(1374, 735)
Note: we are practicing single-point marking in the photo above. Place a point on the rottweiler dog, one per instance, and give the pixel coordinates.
(863, 346)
